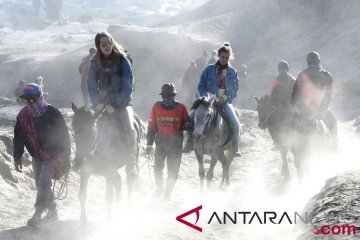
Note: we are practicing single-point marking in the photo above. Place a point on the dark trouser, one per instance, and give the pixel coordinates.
(43, 173)
(173, 160)
(84, 92)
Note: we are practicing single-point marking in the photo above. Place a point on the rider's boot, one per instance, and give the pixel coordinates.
(235, 149)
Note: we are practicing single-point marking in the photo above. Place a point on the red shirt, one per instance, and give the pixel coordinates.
(167, 124)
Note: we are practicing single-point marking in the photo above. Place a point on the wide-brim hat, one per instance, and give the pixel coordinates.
(168, 88)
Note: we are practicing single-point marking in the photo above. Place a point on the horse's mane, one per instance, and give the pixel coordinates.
(198, 102)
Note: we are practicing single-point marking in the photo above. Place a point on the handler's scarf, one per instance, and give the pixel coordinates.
(39, 107)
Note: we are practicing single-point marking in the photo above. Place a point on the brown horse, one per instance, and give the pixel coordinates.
(300, 135)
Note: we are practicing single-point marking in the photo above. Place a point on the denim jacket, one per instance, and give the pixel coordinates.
(208, 82)
(118, 92)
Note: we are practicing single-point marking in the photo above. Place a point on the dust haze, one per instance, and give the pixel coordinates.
(163, 38)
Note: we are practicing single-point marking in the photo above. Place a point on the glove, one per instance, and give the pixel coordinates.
(224, 97)
(109, 109)
(188, 126)
(149, 149)
(221, 99)
(99, 107)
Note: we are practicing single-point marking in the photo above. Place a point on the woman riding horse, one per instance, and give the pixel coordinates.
(221, 79)
(110, 86)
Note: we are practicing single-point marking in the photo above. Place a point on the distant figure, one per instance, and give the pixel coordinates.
(312, 93)
(244, 95)
(41, 128)
(280, 98)
(37, 5)
(281, 88)
(53, 9)
(40, 80)
(84, 70)
(189, 82)
(19, 90)
(213, 58)
(168, 119)
(201, 62)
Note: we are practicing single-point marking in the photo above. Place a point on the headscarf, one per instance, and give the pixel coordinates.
(39, 107)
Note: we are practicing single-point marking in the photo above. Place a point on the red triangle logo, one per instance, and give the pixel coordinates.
(195, 210)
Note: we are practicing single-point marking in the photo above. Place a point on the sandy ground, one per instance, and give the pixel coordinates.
(256, 185)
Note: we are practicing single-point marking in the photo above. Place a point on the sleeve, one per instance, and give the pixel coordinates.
(80, 66)
(127, 82)
(328, 95)
(92, 84)
(297, 90)
(18, 143)
(63, 136)
(184, 117)
(272, 87)
(152, 127)
(202, 89)
(236, 87)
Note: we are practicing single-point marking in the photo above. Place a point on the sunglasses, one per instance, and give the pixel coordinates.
(104, 44)
(28, 100)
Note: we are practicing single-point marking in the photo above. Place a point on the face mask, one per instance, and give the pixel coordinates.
(168, 100)
(38, 108)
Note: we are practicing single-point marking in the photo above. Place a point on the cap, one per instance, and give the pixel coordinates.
(31, 90)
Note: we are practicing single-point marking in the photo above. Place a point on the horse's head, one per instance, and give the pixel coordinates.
(203, 112)
(264, 109)
(84, 128)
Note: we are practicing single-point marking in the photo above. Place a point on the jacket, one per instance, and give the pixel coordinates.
(49, 141)
(208, 82)
(313, 89)
(117, 92)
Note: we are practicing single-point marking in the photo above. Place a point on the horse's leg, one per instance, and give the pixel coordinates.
(223, 164)
(228, 162)
(210, 173)
(117, 186)
(299, 156)
(200, 158)
(285, 166)
(84, 179)
(109, 193)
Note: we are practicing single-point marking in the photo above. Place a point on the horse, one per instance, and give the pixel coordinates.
(291, 133)
(105, 161)
(212, 136)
